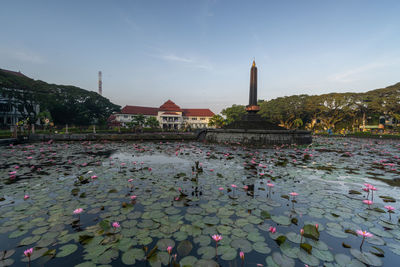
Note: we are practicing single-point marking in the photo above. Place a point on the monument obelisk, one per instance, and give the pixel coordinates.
(253, 107)
(252, 128)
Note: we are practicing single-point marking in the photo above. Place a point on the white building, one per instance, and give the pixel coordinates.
(169, 115)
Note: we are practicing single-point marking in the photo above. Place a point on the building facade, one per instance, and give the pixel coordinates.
(169, 115)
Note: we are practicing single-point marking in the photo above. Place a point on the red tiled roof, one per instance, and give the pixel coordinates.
(14, 73)
(169, 106)
(198, 112)
(170, 113)
(139, 110)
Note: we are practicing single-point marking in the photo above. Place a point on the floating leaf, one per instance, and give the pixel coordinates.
(184, 248)
(66, 250)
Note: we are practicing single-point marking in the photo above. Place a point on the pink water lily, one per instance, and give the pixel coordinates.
(216, 238)
(169, 250)
(272, 229)
(233, 185)
(390, 211)
(94, 177)
(28, 252)
(293, 194)
(364, 234)
(241, 255)
(368, 202)
(26, 197)
(116, 225)
(78, 211)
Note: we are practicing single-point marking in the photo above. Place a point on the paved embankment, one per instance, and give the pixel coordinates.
(114, 137)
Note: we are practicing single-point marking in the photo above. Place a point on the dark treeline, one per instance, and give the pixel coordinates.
(66, 104)
(328, 111)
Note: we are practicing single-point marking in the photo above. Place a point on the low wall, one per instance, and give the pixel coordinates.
(258, 137)
(114, 137)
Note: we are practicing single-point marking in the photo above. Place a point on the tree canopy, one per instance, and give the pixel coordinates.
(326, 111)
(66, 104)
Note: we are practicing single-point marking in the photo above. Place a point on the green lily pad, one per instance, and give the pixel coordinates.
(308, 258)
(310, 231)
(188, 261)
(282, 260)
(162, 244)
(206, 252)
(261, 247)
(66, 250)
(184, 248)
(366, 257)
(242, 245)
(282, 220)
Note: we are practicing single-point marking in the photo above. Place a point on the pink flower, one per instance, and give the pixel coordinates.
(94, 177)
(316, 226)
(217, 237)
(241, 254)
(26, 196)
(245, 187)
(150, 169)
(368, 202)
(211, 170)
(272, 229)
(366, 189)
(364, 233)
(78, 211)
(270, 185)
(169, 249)
(116, 225)
(130, 180)
(221, 188)
(16, 167)
(28, 252)
(233, 185)
(389, 208)
(293, 194)
(133, 197)
(301, 231)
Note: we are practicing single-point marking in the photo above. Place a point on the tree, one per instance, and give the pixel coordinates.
(66, 104)
(152, 122)
(234, 113)
(217, 120)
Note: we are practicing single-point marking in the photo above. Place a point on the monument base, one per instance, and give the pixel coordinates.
(253, 121)
(258, 137)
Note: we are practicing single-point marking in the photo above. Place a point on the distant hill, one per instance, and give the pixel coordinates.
(66, 104)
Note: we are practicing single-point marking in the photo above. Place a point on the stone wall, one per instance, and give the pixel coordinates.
(258, 137)
(114, 137)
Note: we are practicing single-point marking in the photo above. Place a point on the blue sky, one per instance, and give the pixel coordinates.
(199, 53)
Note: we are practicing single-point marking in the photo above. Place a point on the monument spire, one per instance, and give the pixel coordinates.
(253, 107)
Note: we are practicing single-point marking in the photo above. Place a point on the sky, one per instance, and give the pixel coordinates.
(199, 53)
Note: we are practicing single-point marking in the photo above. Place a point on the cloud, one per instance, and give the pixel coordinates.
(355, 74)
(185, 60)
(172, 57)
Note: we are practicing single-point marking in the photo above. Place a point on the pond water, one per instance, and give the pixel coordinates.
(181, 194)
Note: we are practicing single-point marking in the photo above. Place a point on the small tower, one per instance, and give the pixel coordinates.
(100, 84)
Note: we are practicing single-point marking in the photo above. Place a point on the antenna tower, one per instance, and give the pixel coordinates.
(100, 84)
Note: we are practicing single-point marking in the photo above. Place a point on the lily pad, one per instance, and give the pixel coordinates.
(366, 257)
(66, 250)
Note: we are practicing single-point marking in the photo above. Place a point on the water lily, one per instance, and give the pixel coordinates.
(28, 254)
(390, 211)
(301, 233)
(364, 234)
(241, 255)
(272, 229)
(368, 202)
(26, 197)
(216, 238)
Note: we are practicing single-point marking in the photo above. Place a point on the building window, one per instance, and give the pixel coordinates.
(194, 119)
(202, 119)
(125, 116)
